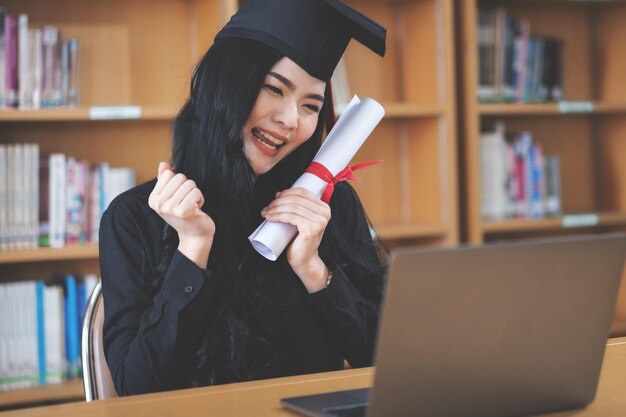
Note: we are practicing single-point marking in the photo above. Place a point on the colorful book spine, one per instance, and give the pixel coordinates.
(72, 338)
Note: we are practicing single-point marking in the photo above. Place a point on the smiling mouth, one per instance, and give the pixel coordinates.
(267, 140)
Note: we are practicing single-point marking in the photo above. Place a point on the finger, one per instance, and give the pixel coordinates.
(163, 179)
(163, 166)
(307, 226)
(284, 202)
(172, 186)
(302, 192)
(283, 210)
(194, 198)
(180, 194)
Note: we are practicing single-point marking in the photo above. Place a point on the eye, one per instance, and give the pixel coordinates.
(312, 108)
(274, 90)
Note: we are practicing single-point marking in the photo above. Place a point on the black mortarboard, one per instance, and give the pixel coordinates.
(313, 33)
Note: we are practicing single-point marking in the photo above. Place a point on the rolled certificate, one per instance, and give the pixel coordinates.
(342, 143)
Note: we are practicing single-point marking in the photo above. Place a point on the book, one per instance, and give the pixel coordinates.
(54, 334)
(10, 56)
(57, 200)
(72, 330)
(3, 13)
(4, 202)
(552, 199)
(71, 72)
(25, 91)
(493, 173)
(51, 81)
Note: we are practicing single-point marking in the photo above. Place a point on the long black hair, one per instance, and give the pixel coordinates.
(207, 147)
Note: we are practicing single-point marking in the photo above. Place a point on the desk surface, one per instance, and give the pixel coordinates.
(262, 398)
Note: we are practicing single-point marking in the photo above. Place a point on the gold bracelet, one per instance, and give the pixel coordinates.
(330, 276)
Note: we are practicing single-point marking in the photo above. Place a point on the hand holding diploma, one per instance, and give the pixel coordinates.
(343, 142)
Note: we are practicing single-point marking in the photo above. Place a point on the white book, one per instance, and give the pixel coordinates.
(29, 308)
(19, 336)
(4, 337)
(73, 203)
(54, 334)
(25, 92)
(56, 192)
(21, 350)
(7, 335)
(18, 200)
(10, 236)
(36, 61)
(95, 204)
(493, 173)
(34, 196)
(51, 66)
(118, 180)
(4, 245)
(26, 195)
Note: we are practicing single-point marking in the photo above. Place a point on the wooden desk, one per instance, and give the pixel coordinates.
(262, 398)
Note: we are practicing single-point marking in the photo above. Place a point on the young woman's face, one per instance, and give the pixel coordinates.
(284, 116)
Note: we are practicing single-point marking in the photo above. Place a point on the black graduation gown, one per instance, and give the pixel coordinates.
(149, 338)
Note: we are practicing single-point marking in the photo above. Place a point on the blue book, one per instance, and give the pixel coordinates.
(41, 331)
(81, 304)
(72, 339)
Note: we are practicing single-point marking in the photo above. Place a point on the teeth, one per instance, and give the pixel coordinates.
(271, 138)
(267, 145)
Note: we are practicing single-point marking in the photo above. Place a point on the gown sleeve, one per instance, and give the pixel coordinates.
(349, 307)
(148, 333)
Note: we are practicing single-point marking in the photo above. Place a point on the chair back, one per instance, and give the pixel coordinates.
(97, 380)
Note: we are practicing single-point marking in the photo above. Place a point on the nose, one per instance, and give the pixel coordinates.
(287, 115)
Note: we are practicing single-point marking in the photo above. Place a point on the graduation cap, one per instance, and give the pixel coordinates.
(312, 33)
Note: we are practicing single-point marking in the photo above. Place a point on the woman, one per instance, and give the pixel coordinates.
(188, 302)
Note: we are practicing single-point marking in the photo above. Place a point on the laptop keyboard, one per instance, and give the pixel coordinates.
(356, 410)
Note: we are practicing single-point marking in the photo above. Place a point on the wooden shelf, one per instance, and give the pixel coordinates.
(82, 114)
(49, 254)
(43, 394)
(399, 110)
(555, 223)
(408, 231)
(548, 109)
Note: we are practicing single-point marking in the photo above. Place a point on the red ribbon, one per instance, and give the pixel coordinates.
(322, 172)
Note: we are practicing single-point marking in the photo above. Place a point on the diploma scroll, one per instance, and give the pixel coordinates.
(350, 132)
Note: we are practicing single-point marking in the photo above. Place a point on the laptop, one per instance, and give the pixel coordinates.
(494, 330)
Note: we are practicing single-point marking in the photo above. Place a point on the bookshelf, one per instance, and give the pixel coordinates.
(127, 65)
(411, 197)
(587, 130)
(134, 55)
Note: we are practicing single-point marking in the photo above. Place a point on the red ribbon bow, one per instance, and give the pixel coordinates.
(322, 172)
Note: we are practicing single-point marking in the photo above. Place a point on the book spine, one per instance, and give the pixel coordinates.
(41, 333)
(4, 242)
(10, 39)
(57, 189)
(72, 72)
(36, 48)
(71, 330)
(50, 41)
(3, 13)
(25, 96)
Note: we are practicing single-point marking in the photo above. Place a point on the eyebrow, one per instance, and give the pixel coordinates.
(292, 87)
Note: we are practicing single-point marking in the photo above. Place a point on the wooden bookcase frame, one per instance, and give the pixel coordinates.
(591, 144)
(141, 53)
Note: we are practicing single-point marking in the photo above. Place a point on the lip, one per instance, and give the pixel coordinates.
(262, 148)
(276, 135)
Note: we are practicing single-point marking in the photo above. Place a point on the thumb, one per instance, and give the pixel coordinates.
(163, 166)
